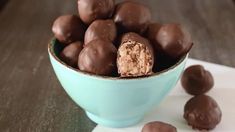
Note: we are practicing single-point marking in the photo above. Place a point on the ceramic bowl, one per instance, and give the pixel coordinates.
(113, 101)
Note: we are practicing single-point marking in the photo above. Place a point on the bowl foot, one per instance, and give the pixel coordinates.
(114, 123)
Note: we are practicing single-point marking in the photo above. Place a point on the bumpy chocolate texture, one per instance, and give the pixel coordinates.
(70, 53)
(202, 112)
(132, 17)
(90, 10)
(68, 29)
(135, 56)
(98, 57)
(173, 40)
(158, 126)
(196, 80)
(103, 29)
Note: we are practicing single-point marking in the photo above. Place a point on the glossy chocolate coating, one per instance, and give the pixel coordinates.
(202, 112)
(196, 80)
(173, 40)
(152, 32)
(135, 56)
(98, 57)
(70, 53)
(68, 29)
(90, 10)
(103, 29)
(157, 126)
(132, 17)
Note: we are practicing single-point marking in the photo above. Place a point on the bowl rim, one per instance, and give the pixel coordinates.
(51, 52)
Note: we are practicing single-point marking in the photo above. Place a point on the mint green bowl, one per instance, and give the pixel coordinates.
(112, 101)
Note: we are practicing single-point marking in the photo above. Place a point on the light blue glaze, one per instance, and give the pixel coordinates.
(115, 102)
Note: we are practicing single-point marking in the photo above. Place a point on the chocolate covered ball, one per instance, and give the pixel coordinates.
(202, 112)
(173, 40)
(157, 126)
(68, 29)
(98, 57)
(90, 10)
(103, 29)
(132, 17)
(196, 80)
(152, 32)
(135, 56)
(70, 53)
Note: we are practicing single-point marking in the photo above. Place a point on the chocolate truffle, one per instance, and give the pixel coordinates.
(196, 80)
(103, 29)
(135, 56)
(132, 17)
(152, 32)
(90, 10)
(70, 53)
(98, 57)
(202, 112)
(68, 29)
(173, 40)
(158, 126)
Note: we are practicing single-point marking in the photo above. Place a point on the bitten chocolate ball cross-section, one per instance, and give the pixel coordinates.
(68, 29)
(135, 56)
(98, 57)
(196, 80)
(202, 112)
(157, 126)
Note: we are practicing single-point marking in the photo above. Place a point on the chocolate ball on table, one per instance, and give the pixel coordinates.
(135, 56)
(157, 126)
(68, 29)
(70, 53)
(202, 112)
(173, 40)
(103, 29)
(98, 57)
(131, 16)
(196, 80)
(90, 10)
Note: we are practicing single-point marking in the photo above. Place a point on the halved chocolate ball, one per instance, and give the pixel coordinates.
(196, 80)
(131, 16)
(70, 53)
(90, 10)
(135, 56)
(173, 40)
(157, 126)
(98, 57)
(68, 29)
(103, 29)
(202, 112)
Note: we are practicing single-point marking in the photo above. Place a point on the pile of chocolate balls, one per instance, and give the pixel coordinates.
(119, 40)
